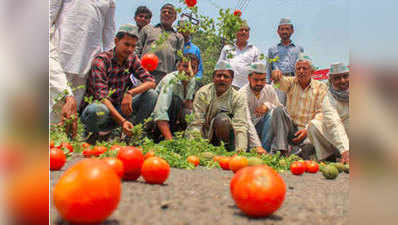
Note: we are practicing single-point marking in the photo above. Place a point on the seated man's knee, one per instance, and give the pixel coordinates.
(278, 110)
(222, 127)
(95, 112)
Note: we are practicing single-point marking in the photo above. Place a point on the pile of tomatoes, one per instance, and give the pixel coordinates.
(99, 180)
(299, 167)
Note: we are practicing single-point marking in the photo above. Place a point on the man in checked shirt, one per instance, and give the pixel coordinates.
(109, 81)
(307, 104)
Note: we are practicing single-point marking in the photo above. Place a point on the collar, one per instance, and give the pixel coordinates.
(114, 58)
(291, 44)
(113, 55)
(246, 47)
(162, 27)
(188, 43)
(310, 85)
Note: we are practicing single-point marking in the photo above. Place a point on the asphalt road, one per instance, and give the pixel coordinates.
(202, 196)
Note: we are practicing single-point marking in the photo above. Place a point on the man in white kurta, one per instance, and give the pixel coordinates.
(261, 99)
(323, 137)
(240, 56)
(307, 107)
(81, 29)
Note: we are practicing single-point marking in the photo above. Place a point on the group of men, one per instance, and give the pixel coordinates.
(272, 106)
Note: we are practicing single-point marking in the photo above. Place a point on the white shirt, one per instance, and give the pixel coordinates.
(240, 61)
(268, 98)
(83, 28)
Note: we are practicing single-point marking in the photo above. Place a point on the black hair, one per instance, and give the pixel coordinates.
(143, 9)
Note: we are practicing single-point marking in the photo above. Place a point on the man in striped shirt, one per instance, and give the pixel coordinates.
(118, 102)
(307, 101)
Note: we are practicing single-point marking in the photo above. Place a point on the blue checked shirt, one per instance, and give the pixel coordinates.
(287, 58)
(189, 47)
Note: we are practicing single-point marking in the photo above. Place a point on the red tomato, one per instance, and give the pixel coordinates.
(217, 158)
(98, 150)
(224, 162)
(132, 159)
(52, 144)
(258, 190)
(312, 167)
(88, 152)
(155, 170)
(297, 168)
(149, 155)
(190, 3)
(237, 12)
(87, 193)
(57, 159)
(237, 162)
(193, 159)
(116, 165)
(85, 145)
(306, 163)
(149, 61)
(115, 148)
(65, 145)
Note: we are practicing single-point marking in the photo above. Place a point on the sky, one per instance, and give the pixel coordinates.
(321, 26)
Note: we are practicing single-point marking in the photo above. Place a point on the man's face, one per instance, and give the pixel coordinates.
(243, 34)
(303, 72)
(184, 66)
(257, 81)
(142, 19)
(125, 46)
(168, 16)
(285, 31)
(222, 80)
(340, 81)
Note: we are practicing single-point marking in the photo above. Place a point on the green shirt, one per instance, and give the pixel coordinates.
(167, 53)
(206, 105)
(168, 87)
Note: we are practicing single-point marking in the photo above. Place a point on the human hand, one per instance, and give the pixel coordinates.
(127, 127)
(126, 105)
(260, 150)
(300, 135)
(345, 157)
(261, 110)
(276, 75)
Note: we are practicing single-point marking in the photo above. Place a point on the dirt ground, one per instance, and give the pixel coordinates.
(202, 196)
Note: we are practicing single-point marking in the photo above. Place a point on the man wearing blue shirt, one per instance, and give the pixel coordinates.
(283, 56)
(190, 47)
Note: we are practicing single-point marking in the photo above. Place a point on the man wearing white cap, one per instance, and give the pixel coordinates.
(220, 112)
(261, 99)
(338, 95)
(283, 56)
(240, 55)
(307, 104)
